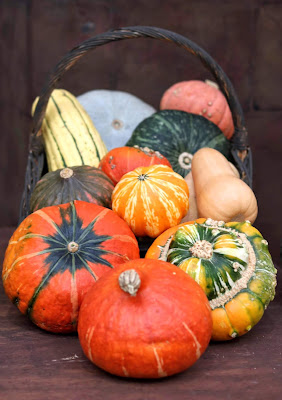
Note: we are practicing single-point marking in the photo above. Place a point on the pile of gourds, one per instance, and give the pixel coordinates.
(74, 262)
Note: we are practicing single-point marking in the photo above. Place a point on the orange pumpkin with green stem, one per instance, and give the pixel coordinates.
(145, 319)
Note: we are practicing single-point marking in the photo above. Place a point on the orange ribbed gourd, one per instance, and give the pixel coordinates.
(145, 319)
(151, 199)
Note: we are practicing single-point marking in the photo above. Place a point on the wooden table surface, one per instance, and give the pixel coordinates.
(35, 364)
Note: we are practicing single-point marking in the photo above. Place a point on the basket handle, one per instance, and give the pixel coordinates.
(239, 142)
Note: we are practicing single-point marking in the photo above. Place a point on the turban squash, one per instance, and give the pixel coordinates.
(56, 254)
(232, 264)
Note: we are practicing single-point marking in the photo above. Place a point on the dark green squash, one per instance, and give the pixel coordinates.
(177, 135)
(76, 183)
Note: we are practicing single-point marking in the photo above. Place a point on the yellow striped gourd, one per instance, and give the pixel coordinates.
(69, 136)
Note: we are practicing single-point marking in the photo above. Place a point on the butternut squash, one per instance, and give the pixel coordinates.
(193, 211)
(220, 194)
(234, 169)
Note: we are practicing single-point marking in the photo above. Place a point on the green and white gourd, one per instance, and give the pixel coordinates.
(115, 114)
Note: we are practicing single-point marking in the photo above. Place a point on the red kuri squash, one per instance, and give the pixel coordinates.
(121, 160)
(145, 319)
(203, 98)
(55, 256)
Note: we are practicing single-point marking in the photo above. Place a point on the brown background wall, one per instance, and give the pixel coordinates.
(244, 37)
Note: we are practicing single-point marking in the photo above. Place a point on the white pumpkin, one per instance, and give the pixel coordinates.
(115, 114)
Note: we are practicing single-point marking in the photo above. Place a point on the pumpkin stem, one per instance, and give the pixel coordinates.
(185, 159)
(72, 247)
(129, 281)
(66, 173)
(117, 124)
(202, 249)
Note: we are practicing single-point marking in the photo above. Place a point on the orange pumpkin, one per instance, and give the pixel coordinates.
(121, 160)
(145, 319)
(55, 256)
(202, 98)
(151, 199)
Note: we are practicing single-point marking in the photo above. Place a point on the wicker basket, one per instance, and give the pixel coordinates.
(36, 157)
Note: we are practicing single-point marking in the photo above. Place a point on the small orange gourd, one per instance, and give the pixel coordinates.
(151, 199)
(192, 213)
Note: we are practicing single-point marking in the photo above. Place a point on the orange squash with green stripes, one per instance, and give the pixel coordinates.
(151, 199)
(231, 263)
(57, 253)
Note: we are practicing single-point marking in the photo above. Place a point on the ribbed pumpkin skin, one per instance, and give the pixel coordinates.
(151, 199)
(86, 183)
(161, 331)
(69, 136)
(236, 273)
(200, 98)
(45, 277)
(121, 160)
(177, 135)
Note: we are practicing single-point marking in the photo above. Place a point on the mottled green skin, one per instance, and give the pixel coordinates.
(263, 282)
(217, 272)
(173, 132)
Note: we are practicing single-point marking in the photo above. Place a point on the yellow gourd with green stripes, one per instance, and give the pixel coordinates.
(70, 138)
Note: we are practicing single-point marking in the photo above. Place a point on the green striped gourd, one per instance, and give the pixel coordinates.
(69, 136)
(231, 263)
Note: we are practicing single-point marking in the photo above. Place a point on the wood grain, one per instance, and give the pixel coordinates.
(14, 106)
(267, 88)
(39, 365)
(266, 146)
